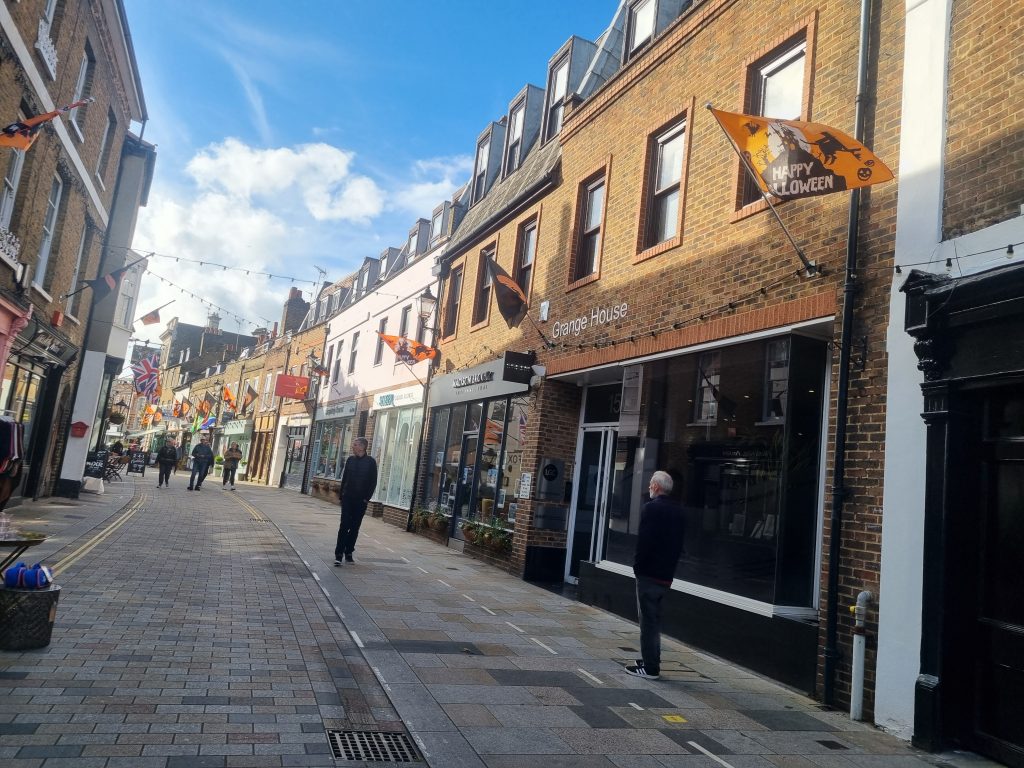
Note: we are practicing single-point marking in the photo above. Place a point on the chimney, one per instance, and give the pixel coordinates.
(273, 334)
(295, 311)
(213, 323)
(260, 334)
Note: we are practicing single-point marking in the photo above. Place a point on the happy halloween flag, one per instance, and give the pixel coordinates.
(794, 159)
(176, 409)
(229, 398)
(249, 398)
(206, 404)
(21, 134)
(186, 408)
(409, 351)
(509, 296)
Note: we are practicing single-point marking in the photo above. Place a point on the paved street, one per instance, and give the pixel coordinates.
(211, 629)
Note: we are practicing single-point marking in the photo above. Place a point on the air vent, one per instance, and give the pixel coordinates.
(373, 747)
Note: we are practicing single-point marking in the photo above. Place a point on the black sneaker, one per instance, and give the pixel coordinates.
(348, 558)
(638, 670)
(337, 563)
(191, 488)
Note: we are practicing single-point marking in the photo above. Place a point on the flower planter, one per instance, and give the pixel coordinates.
(26, 617)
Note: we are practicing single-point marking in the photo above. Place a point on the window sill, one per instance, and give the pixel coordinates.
(99, 181)
(480, 325)
(751, 209)
(702, 423)
(657, 250)
(73, 319)
(591, 278)
(76, 130)
(725, 598)
(41, 291)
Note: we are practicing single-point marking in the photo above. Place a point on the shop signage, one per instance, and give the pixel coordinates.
(398, 398)
(238, 427)
(597, 316)
(508, 375)
(336, 410)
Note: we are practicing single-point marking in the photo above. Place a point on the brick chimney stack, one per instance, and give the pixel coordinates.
(295, 309)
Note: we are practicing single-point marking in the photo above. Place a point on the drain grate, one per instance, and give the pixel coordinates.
(372, 747)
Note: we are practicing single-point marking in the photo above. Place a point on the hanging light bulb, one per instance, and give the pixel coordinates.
(949, 265)
(1009, 251)
(898, 270)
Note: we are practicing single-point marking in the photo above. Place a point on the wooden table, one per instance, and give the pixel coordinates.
(17, 547)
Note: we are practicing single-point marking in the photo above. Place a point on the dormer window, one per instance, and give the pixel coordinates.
(557, 89)
(413, 236)
(641, 25)
(436, 224)
(483, 152)
(515, 138)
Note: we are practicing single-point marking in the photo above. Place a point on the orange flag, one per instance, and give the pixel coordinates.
(794, 159)
(229, 398)
(23, 133)
(408, 350)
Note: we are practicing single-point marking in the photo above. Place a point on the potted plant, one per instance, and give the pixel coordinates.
(241, 469)
(115, 418)
(501, 540)
(421, 518)
(470, 528)
(439, 521)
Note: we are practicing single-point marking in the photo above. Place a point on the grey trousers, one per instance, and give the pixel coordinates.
(649, 595)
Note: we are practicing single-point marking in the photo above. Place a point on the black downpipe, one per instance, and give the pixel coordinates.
(843, 394)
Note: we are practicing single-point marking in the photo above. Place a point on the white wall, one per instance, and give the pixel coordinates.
(918, 239)
(385, 299)
(88, 398)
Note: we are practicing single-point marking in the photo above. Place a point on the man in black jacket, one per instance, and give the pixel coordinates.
(166, 458)
(358, 482)
(659, 544)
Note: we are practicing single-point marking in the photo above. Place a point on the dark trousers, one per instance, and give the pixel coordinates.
(229, 474)
(649, 595)
(165, 472)
(352, 511)
(200, 469)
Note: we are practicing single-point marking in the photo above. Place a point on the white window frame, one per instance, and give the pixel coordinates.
(12, 178)
(378, 353)
(69, 306)
(80, 92)
(104, 153)
(522, 263)
(49, 10)
(49, 227)
(353, 353)
(558, 89)
(483, 153)
(436, 224)
(591, 233)
(514, 144)
(659, 194)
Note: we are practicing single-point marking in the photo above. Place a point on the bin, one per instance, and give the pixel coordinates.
(26, 617)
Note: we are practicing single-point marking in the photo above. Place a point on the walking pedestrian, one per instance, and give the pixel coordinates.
(202, 460)
(166, 458)
(659, 543)
(232, 456)
(358, 482)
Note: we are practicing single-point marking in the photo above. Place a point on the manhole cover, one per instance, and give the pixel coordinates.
(372, 747)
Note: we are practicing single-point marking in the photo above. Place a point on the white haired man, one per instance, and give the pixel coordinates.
(659, 544)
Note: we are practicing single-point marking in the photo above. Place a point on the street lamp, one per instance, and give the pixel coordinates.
(427, 303)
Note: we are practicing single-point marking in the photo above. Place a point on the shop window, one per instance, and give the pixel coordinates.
(749, 486)
(451, 307)
(526, 252)
(482, 298)
(706, 403)
(396, 438)
(437, 478)
(776, 384)
(667, 153)
(776, 87)
(587, 258)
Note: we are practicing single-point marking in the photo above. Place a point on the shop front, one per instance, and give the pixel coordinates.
(478, 418)
(739, 426)
(396, 441)
(237, 431)
(296, 436)
(334, 430)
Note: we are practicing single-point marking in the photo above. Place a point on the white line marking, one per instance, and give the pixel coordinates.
(469, 598)
(324, 590)
(517, 629)
(636, 706)
(445, 583)
(315, 576)
(592, 677)
(706, 658)
(404, 559)
(305, 563)
(389, 549)
(488, 610)
(716, 758)
(547, 648)
(355, 637)
(423, 569)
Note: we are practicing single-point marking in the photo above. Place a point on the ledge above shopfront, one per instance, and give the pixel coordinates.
(509, 374)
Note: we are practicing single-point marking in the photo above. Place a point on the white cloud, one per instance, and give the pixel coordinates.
(432, 181)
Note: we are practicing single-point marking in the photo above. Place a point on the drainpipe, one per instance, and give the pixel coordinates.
(859, 612)
(843, 393)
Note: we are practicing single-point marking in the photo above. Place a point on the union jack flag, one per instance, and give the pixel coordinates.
(147, 375)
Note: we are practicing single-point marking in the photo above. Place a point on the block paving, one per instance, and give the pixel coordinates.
(212, 629)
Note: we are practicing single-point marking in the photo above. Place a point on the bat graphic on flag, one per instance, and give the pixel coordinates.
(22, 134)
(409, 351)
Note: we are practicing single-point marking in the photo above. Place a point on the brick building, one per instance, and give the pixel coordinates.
(951, 620)
(55, 211)
(672, 326)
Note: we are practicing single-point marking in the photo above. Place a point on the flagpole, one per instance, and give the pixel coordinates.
(156, 310)
(809, 266)
(119, 269)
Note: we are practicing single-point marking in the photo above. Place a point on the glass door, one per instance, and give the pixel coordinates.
(591, 494)
(464, 482)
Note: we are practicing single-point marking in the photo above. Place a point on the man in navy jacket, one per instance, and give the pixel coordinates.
(358, 482)
(659, 544)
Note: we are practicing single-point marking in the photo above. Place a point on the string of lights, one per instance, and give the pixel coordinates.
(209, 303)
(697, 317)
(217, 265)
(1007, 251)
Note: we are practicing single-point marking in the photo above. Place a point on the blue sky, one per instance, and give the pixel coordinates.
(302, 133)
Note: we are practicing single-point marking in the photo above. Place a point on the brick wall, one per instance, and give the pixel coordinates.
(985, 139)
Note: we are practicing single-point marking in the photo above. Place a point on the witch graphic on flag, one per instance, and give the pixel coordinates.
(409, 351)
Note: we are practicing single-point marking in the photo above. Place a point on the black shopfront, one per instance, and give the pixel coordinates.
(478, 419)
(970, 689)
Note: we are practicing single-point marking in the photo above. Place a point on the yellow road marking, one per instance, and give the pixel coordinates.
(256, 514)
(83, 550)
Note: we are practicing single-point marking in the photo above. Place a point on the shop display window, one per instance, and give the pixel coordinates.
(396, 436)
(739, 429)
(332, 448)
